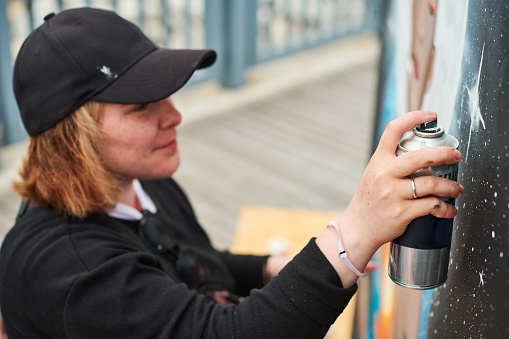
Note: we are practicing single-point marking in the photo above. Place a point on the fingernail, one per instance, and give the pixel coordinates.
(457, 154)
(461, 190)
(431, 113)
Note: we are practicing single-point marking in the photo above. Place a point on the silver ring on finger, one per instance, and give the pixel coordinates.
(414, 193)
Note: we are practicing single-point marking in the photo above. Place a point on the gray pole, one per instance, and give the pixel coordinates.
(13, 130)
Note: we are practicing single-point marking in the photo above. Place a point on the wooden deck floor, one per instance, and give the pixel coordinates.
(305, 148)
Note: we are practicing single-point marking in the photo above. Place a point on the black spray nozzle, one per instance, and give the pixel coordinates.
(429, 127)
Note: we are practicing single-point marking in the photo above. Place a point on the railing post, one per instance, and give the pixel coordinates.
(215, 17)
(373, 15)
(235, 42)
(13, 129)
(251, 32)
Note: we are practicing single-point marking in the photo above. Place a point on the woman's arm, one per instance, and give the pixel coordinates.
(384, 205)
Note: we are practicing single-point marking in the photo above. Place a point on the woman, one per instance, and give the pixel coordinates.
(108, 245)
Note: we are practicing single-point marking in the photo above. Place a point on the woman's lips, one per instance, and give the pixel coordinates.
(171, 145)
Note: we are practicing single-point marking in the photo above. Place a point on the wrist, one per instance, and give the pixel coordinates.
(273, 265)
(353, 228)
(342, 252)
(358, 253)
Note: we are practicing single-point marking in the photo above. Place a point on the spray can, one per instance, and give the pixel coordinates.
(419, 258)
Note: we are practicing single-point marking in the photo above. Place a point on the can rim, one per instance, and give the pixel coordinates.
(417, 287)
(455, 142)
(436, 134)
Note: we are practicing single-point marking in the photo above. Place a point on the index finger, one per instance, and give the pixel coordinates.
(410, 162)
(399, 126)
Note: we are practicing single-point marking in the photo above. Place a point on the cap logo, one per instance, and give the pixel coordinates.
(107, 71)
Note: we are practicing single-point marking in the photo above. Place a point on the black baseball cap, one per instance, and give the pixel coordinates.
(92, 54)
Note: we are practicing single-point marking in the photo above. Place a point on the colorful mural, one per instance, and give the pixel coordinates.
(451, 57)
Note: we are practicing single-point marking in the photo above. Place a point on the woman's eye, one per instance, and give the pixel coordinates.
(140, 107)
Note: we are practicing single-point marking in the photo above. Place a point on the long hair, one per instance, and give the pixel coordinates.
(63, 169)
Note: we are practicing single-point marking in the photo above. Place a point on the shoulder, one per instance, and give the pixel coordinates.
(44, 245)
(85, 244)
(38, 263)
(34, 235)
(49, 261)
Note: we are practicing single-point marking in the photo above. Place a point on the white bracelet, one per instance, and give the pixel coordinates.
(342, 252)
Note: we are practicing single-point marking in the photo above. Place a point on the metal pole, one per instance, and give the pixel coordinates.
(141, 14)
(251, 32)
(214, 34)
(165, 38)
(235, 44)
(13, 128)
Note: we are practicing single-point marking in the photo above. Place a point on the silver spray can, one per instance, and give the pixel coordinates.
(419, 259)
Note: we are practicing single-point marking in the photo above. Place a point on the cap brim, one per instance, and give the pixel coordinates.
(156, 76)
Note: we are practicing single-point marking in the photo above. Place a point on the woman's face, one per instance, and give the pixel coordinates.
(140, 141)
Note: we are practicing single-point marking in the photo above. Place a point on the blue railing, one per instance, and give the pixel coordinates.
(244, 32)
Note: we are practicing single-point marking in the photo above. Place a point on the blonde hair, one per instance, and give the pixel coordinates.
(63, 168)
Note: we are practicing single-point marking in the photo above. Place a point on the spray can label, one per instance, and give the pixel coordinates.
(419, 258)
(430, 232)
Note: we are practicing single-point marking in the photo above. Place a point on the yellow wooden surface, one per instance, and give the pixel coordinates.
(261, 230)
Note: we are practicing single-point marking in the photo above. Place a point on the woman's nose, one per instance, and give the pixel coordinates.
(170, 116)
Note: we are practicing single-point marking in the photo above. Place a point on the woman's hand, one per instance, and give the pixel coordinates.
(273, 265)
(383, 204)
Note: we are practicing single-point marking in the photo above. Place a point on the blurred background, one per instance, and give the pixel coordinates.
(275, 136)
(284, 118)
(284, 123)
